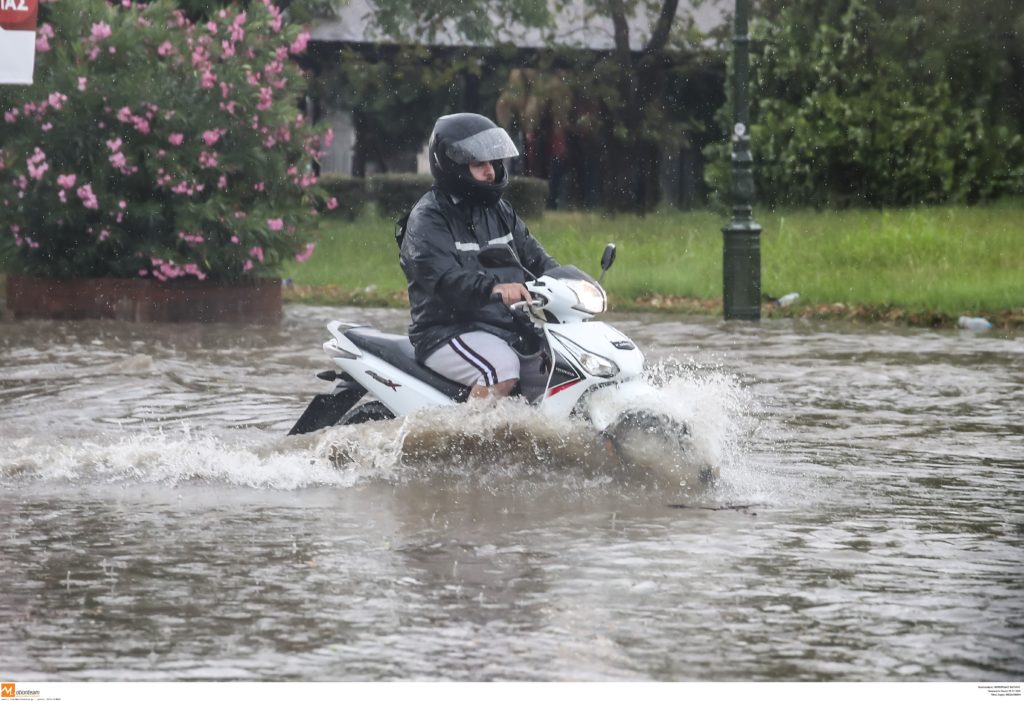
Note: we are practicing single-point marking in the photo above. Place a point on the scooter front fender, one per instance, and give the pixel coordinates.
(606, 404)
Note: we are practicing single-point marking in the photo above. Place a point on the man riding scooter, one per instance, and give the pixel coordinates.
(462, 326)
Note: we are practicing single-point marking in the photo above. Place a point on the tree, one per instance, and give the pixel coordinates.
(884, 102)
(638, 83)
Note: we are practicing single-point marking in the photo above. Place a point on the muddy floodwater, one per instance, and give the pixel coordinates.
(157, 524)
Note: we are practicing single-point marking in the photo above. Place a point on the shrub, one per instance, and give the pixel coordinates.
(528, 196)
(396, 193)
(350, 192)
(853, 103)
(152, 146)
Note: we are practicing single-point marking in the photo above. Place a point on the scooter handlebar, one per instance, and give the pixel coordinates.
(523, 306)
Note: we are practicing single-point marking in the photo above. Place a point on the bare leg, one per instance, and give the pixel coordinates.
(502, 389)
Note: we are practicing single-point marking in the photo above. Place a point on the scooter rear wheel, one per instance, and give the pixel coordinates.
(366, 412)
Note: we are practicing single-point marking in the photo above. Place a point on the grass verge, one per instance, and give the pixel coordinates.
(919, 266)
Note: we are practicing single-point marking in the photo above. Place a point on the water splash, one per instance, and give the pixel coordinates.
(161, 457)
(496, 444)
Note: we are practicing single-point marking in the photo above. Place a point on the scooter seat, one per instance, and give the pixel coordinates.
(398, 351)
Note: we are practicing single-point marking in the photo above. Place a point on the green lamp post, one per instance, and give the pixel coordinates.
(741, 280)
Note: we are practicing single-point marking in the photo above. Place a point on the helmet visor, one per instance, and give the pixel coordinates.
(488, 145)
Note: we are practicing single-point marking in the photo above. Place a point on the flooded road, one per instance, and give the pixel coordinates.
(156, 523)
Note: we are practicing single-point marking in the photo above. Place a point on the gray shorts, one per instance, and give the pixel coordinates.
(475, 358)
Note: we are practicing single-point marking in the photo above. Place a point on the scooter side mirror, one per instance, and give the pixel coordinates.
(498, 256)
(608, 257)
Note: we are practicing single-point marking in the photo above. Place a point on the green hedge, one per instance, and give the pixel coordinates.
(350, 192)
(528, 196)
(394, 194)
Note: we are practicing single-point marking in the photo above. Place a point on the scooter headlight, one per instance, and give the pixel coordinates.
(591, 362)
(591, 297)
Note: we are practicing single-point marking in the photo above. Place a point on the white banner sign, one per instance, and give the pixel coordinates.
(17, 40)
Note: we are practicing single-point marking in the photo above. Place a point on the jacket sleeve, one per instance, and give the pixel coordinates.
(429, 259)
(531, 253)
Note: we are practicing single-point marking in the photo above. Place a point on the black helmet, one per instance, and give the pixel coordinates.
(464, 138)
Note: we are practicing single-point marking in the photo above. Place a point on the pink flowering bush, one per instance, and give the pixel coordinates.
(152, 146)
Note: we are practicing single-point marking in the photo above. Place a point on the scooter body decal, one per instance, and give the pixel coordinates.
(384, 381)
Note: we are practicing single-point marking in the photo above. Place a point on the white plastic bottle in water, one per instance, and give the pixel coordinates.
(974, 323)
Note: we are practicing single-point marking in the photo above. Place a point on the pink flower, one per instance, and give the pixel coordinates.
(82, 82)
(165, 49)
(208, 79)
(114, 144)
(124, 114)
(42, 44)
(211, 136)
(100, 31)
(37, 164)
(67, 181)
(176, 139)
(207, 159)
(122, 204)
(88, 197)
(222, 182)
(257, 253)
(56, 100)
(275, 224)
(266, 99)
(119, 161)
(332, 203)
(299, 45)
(235, 239)
(306, 253)
(199, 57)
(11, 115)
(46, 127)
(247, 266)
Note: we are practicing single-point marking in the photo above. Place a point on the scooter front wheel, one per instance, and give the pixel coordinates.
(366, 412)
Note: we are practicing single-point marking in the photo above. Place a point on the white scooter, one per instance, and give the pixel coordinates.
(583, 368)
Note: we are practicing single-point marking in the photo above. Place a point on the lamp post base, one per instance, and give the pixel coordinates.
(741, 298)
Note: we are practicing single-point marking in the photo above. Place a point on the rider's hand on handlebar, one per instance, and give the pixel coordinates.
(512, 292)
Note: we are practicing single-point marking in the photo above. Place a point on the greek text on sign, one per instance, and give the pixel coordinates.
(18, 14)
(17, 41)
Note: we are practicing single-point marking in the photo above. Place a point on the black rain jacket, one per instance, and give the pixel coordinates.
(449, 291)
